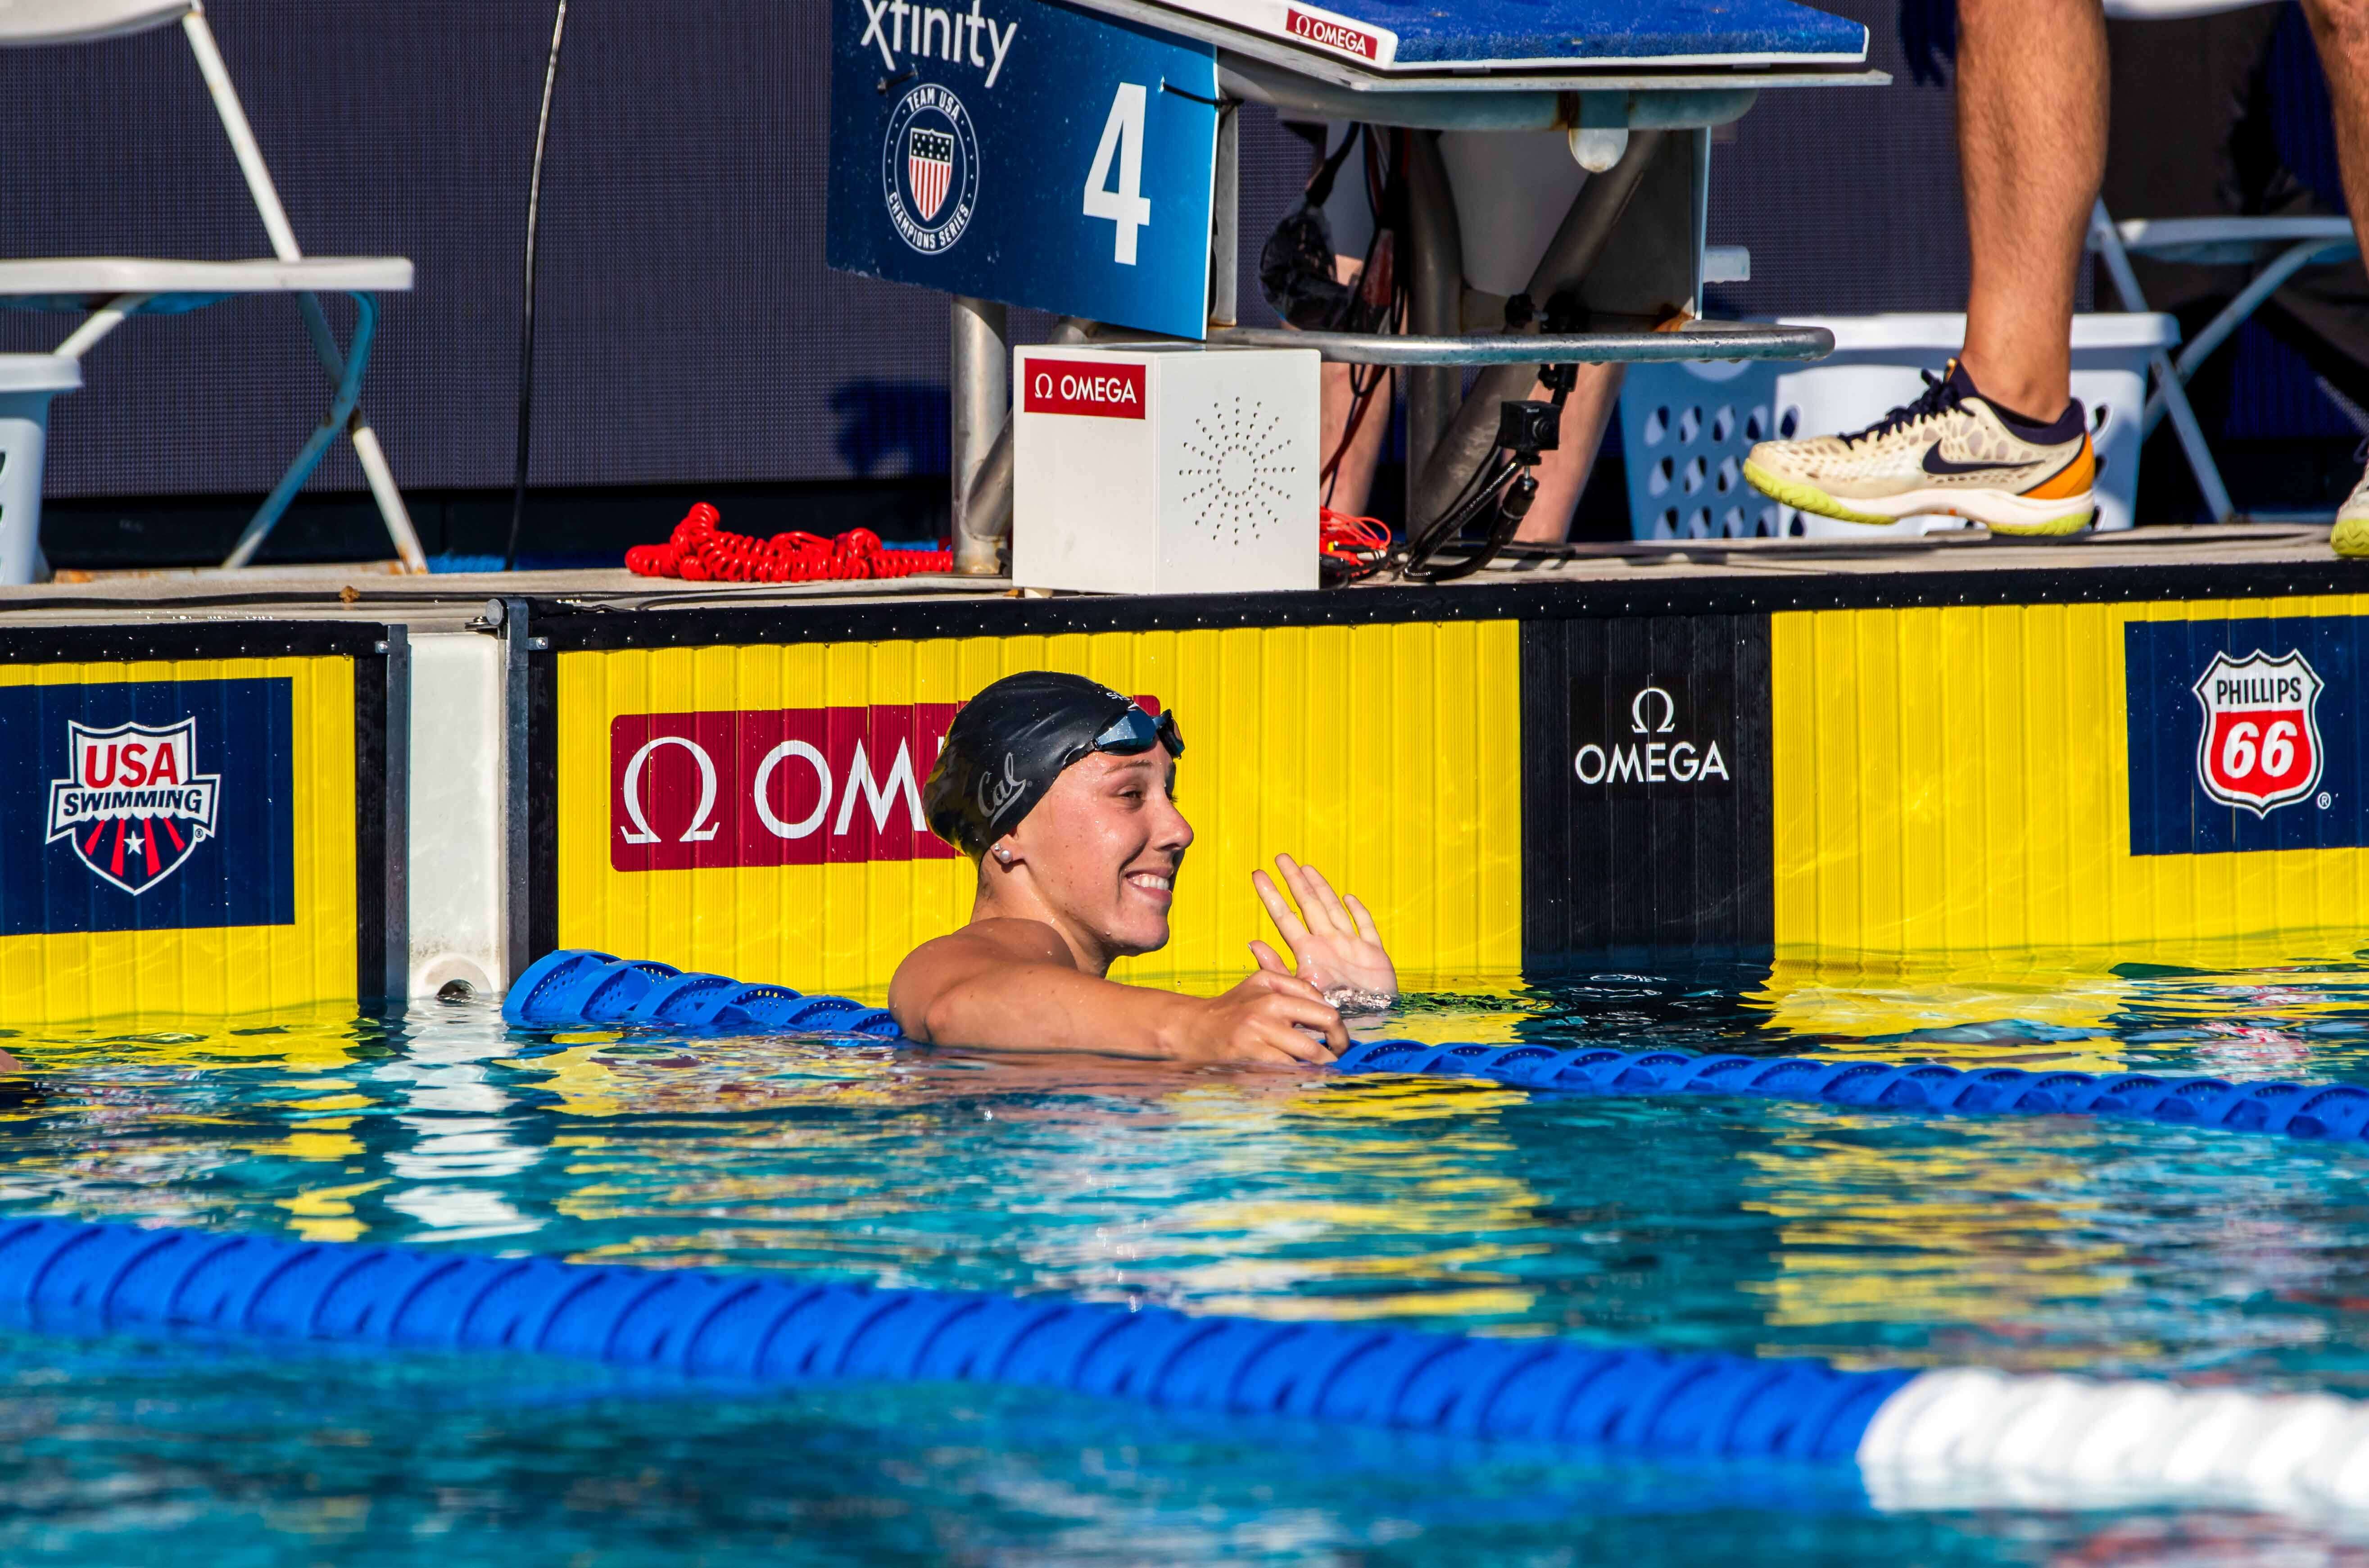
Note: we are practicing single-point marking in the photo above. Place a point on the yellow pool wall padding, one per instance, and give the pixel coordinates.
(1388, 756)
(1953, 780)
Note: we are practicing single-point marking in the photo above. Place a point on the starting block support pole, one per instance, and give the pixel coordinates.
(1435, 302)
(979, 367)
(1225, 219)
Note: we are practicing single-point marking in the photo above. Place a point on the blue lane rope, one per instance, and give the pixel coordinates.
(771, 1331)
(577, 988)
(2334, 1111)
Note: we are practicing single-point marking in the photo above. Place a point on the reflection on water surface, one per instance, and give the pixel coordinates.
(1771, 1229)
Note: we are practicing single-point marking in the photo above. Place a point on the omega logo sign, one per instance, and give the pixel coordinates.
(775, 786)
(1071, 386)
(1330, 33)
(789, 787)
(1628, 739)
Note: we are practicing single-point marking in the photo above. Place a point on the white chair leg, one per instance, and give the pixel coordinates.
(243, 144)
(2231, 316)
(375, 468)
(266, 195)
(97, 325)
(2192, 439)
(391, 510)
(2107, 241)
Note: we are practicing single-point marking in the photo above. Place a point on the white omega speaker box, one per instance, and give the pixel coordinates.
(1164, 470)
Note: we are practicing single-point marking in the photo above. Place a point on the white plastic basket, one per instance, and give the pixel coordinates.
(1686, 427)
(27, 381)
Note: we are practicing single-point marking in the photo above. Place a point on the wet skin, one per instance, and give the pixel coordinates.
(1087, 878)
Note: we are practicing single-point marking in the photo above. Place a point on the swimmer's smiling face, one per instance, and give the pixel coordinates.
(1103, 848)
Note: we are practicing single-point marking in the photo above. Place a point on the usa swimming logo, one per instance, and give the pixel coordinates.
(170, 805)
(133, 804)
(2247, 735)
(930, 169)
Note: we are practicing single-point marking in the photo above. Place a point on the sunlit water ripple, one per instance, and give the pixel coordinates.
(2031, 1244)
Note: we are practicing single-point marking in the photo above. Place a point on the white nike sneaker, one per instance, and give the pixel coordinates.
(1950, 451)
(2351, 534)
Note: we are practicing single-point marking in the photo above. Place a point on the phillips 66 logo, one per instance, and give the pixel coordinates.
(2259, 746)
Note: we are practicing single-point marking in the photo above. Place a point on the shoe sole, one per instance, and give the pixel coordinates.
(2351, 536)
(1995, 509)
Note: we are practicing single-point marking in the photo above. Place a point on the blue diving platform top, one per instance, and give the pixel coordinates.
(1530, 37)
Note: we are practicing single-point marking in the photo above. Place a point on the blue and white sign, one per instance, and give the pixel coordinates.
(146, 806)
(2247, 735)
(1029, 152)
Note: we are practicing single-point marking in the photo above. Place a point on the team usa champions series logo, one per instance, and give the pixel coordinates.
(2259, 747)
(133, 804)
(928, 168)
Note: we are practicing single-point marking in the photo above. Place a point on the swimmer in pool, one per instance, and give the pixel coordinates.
(1062, 792)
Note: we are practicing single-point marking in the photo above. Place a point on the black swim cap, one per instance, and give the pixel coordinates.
(1010, 743)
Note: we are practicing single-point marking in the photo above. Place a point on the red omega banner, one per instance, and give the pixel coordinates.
(778, 786)
(1098, 388)
(1332, 34)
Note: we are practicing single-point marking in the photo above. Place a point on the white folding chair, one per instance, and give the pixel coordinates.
(2277, 247)
(113, 288)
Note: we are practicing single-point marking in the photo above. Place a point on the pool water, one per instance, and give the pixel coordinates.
(1877, 1240)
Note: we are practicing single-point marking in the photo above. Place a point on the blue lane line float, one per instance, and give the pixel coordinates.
(573, 988)
(1955, 1438)
(2334, 1111)
(768, 1331)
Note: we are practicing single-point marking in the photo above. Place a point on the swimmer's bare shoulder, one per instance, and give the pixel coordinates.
(927, 987)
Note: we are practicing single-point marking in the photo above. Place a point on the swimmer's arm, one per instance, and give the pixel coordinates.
(1011, 985)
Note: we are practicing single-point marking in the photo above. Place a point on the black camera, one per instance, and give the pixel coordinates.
(1527, 429)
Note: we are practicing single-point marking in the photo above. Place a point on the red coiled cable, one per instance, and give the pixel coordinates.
(698, 550)
(1354, 547)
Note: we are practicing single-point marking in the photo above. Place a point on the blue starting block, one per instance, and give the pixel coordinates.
(1410, 38)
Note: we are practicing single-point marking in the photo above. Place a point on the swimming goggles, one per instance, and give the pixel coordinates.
(1136, 732)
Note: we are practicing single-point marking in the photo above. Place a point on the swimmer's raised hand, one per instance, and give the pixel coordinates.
(1272, 1018)
(1333, 942)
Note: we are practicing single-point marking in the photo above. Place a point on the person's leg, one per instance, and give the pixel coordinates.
(2031, 151)
(2340, 30)
(1352, 485)
(1999, 440)
(1563, 472)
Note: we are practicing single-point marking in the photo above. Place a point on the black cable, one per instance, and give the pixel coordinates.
(1511, 483)
(1415, 564)
(526, 315)
(1459, 511)
(1513, 506)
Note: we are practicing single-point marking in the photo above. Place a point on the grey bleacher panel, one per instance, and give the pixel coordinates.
(1848, 200)
(688, 329)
